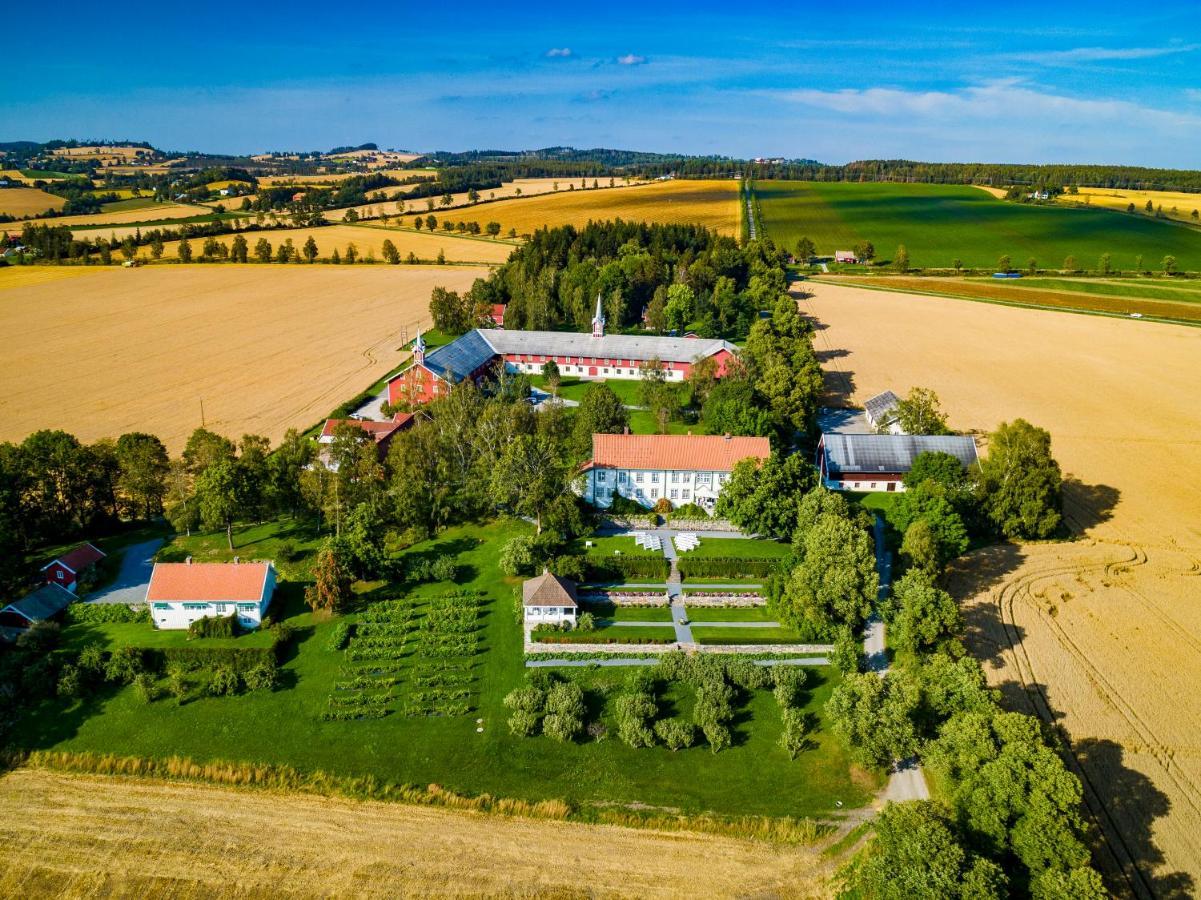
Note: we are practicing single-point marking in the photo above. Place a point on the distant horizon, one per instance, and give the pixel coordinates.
(1097, 83)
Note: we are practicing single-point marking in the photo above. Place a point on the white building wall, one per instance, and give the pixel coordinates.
(541, 615)
(648, 486)
(178, 614)
(620, 373)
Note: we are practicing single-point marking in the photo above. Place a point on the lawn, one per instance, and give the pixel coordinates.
(610, 612)
(608, 546)
(739, 548)
(608, 633)
(574, 388)
(285, 727)
(132, 203)
(729, 614)
(941, 223)
(142, 634)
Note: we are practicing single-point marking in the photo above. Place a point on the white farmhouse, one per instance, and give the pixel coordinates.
(549, 599)
(681, 468)
(181, 593)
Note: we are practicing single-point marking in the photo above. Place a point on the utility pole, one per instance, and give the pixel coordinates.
(202, 412)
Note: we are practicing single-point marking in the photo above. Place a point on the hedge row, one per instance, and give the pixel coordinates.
(623, 568)
(103, 613)
(727, 566)
(240, 659)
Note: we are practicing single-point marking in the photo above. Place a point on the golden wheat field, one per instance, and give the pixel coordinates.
(27, 201)
(83, 836)
(713, 204)
(519, 187)
(265, 347)
(367, 239)
(102, 152)
(1099, 634)
(333, 178)
(162, 211)
(1176, 204)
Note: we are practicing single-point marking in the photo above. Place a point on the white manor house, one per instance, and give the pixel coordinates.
(681, 468)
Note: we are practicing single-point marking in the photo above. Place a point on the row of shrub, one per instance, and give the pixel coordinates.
(624, 568)
(550, 636)
(104, 613)
(726, 567)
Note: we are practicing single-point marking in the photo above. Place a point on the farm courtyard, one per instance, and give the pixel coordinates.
(1098, 633)
(266, 348)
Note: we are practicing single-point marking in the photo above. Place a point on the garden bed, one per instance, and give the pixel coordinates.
(625, 598)
(733, 598)
(613, 634)
(718, 635)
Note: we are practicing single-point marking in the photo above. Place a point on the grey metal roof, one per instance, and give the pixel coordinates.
(47, 601)
(880, 405)
(462, 356)
(611, 346)
(876, 453)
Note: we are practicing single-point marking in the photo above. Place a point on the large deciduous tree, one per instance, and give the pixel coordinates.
(762, 498)
(1020, 482)
(836, 581)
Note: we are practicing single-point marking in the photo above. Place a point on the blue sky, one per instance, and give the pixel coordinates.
(1095, 82)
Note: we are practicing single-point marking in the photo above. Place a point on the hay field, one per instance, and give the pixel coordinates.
(119, 153)
(267, 347)
(1121, 198)
(713, 204)
(529, 187)
(74, 836)
(27, 201)
(1099, 634)
(333, 178)
(367, 239)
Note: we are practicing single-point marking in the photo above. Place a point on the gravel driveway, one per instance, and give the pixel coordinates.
(130, 585)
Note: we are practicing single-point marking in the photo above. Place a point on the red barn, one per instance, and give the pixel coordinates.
(381, 432)
(66, 570)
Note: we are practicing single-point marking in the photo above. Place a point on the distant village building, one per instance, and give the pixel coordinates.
(38, 606)
(549, 599)
(845, 256)
(476, 355)
(878, 462)
(67, 570)
(181, 593)
(881, 412)
(681, 468)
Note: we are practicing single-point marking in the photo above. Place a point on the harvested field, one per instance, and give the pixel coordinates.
(1098, 634)
(333, 178)
(713, 204)
(142, 214)
(1176, 205)
(528, 187)
(75, 836)
(267, 347)
(28, 201)
(103, 152)
(368, 239)
(1160, 300)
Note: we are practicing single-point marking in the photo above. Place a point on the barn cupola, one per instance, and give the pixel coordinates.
(598, 320)
(419, 349)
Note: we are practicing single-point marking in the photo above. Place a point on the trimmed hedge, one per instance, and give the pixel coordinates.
(727, 566)
(240, 659)
(624, 568)
(104, 613)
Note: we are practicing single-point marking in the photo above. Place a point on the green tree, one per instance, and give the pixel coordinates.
(1169, 265)
(900, 259)
(920, 413)
(784, 369)
(184, 251)
(805, 250)
(218, 494)
(917, 855)
(600, 412)
(391, 254)
(836, 581)
(517, 555)
(919, 548)
(493, 228)
(764, 498)
(656, 311)
(732, 407)
(874, 716)
(550, 371)
(450, 311)
(330, 590)
(447, 199)
(144, 467)
(928, 502)
(681, 301)
(926, 615)
(310, 249)
(1004, 264)
(675, 734)
(795, 732)
(1105, 264)
(239, 252)
(262, 250)
(204, 448)
(156, 246)
(1020, 482)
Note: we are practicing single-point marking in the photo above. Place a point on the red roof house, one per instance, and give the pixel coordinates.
(498, 315)
(381, 432)
(66, 570)
(181, 593)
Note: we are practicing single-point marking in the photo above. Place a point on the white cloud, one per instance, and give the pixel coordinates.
(1102, 54)
(631, 59)
(559, 52)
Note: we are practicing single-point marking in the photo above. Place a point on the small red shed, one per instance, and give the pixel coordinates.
(66, 570)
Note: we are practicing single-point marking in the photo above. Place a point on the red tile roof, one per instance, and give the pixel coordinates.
(700, 452)
(78, 558)
(207, 582)
(378, 430)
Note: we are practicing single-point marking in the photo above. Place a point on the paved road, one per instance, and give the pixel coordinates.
(750, 216)
(129, 587)
(907, 781)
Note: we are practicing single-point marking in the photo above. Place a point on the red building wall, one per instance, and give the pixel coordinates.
(53, 573)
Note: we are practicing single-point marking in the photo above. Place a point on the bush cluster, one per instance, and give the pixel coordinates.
(728, 567)
(104, 613)
(624, 568)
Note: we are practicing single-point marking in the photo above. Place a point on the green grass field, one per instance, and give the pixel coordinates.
(132, 203)
(285, 727)
(738, 548)
(1177, 290)
(715, 634)
(729, 614)
(939, 223)
(608, 546)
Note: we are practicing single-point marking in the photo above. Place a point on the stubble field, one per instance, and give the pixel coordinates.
(266, 347)
(77, 836)
(1176, 204)
(27, 201)
(155, 213)
(1097, 634)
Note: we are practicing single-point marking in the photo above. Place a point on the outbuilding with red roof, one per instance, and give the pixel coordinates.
(181, 593)
(76, 564)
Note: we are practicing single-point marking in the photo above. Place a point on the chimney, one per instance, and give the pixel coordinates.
(236, 558)
(726, 436)
(188, 561)
(626, 430)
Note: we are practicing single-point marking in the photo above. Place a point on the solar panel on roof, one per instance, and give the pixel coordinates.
(875, 453)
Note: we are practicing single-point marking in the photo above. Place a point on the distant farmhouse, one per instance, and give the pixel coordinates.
(878, 462)
(181, 593)
(380, 432)
(37, 606)
(681, 468)
(67, 570)
(475, 356)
